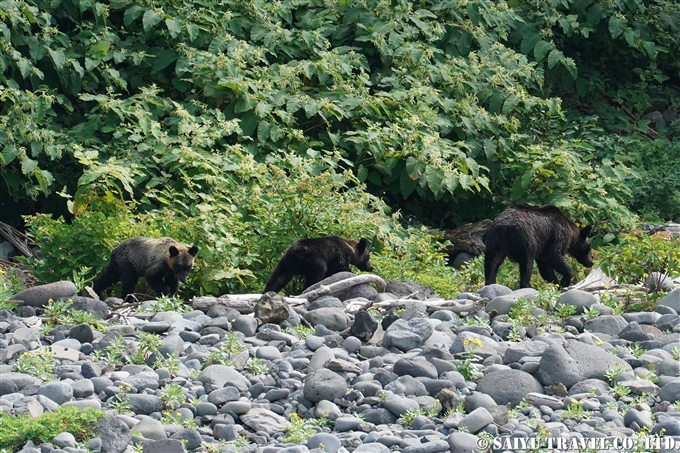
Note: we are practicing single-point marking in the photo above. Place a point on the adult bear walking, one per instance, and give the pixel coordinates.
(163, 262)
(544, 234)
(318, 258)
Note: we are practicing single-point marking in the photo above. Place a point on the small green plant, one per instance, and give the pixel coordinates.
(434, 410)
(635, 349)
(515, 334)
(120, 402)
(39, 364)
(15, 431)
(617, 306)
(521, 312)
(171, 363)
(591, 313)
(613, 372)
(172, 396)
(242, 440)
(300, 330)
(466, 367)
(165, 303)
(228, 349)
(620, 390)
(149, 343)
(575, 411)
(10, 284)
(61, 312)
(676, 352)
(407, 417)
(564, 311)
(115, 351)
(171, 418)
(297, 430)
(256, 366)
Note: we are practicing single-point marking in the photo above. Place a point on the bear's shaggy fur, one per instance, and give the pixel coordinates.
(163, 262)
(544, 234)
(318, 258)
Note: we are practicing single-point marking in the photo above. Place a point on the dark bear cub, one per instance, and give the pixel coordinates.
(163, 262)
(318, 258)
(543, 234)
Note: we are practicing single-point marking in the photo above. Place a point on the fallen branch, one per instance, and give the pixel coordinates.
(455, 305)
(343, 285)
(13, 237)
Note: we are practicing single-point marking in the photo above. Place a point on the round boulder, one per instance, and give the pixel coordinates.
(39, 296)
(324, 384)
(508, 386)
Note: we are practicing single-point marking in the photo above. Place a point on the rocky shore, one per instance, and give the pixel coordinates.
(356, 371)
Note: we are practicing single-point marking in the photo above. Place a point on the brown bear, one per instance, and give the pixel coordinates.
(544, 234)
(318, 258)
(163, 262)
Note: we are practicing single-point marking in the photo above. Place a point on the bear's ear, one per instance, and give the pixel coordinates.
(193, 250)
(585, 231)
(363, 244)
(173, 251)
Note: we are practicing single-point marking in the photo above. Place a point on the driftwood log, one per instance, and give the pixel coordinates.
(342, 285)
(467, 238)
(16, 238)
(454, 305)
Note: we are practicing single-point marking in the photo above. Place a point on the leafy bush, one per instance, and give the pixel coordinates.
(639, 254)
(16, 431)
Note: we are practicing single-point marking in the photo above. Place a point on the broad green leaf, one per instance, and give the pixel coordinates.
(9, 154)
(555, 57)
(218, 44)
(145, 124)
(529, 41)
(594, 14)
(509, 105)
(100, 50)
(132, 13)
(263, 130)
(119, 4)
(58, 58)
(249, 123)
(25, 67)
(434, 177)
(193, 30)
(28, 165)
(406, 184)
(151, 19)
(36, 49)
(174, 27)
(541, 50)
(451, 181)
(163, 59)
(616, 26)
(414, 167)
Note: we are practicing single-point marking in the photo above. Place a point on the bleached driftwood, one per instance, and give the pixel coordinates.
(243, 303)
(454, 305)
(596, 280)
(343, 285)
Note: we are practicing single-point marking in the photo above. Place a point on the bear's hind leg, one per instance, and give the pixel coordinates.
(315, 274)
(278, 280)
(109, 278)
(561, 265)
(492, 261)
(526, 267)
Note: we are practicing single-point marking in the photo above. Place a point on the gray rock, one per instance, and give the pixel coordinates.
(642, 418)
(324, 384)
(464, 443)
(143, 403)
(216, 376)
(398, 405)
(190, 437)
(151, 429)
(220, 396)
(516, 351)
(271, 309)
(21, 380)
(411, 290)
(82, 333)
(608, 324)
(268, 353)
(501, 304)
(329, 442)
(92, 306)
(476, 420)
(332, 318)
(571, 361)
(407, 335)
(39, 296)
(114, 434)
(492, 291)
(144, 380)
(371, 448)
(416, 366)
(59, 392)
(26, 336)
(260, 419)
(508, 386)
(164, 446)
(672, 300)
(65, 440)
(578, 299)
(247, 325)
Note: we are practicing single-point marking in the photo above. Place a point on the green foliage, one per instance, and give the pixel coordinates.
(39, 364)
(165, 303)
(256, 366)
(149, 343)
(62, 312)
(298, 429)
(229, 347)
(172, 396)
(407, 417)
(16, 431)
(300, 330)
(639, 254)
(10, 284)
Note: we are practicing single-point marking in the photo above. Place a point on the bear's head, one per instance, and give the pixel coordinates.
(181, 261)
(582, 250)
(361, 258)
